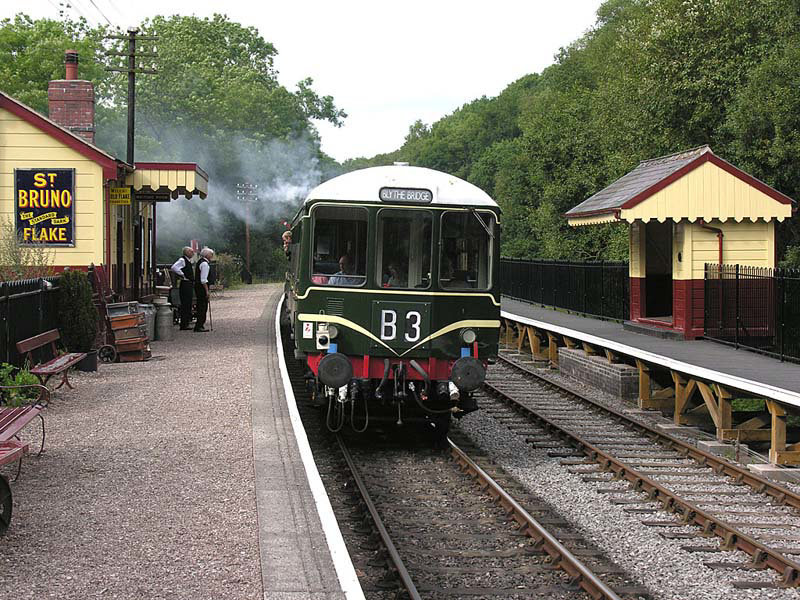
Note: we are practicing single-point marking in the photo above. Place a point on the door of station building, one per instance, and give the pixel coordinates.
(658, 260)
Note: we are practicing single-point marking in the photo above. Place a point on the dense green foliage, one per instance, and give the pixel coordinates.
(651, 78)
(77, 316)
(14, 376)
(215, 100)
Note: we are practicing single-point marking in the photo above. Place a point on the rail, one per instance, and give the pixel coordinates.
(691, 514)
(582, 575)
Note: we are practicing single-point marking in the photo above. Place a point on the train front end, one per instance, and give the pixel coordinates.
(393, 295)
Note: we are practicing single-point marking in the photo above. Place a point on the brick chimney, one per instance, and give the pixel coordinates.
(72, 100)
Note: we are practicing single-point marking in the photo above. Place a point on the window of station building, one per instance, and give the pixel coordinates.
(404, 248)
(340, 246)
(466, 250)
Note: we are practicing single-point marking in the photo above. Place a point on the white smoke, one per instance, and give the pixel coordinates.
(283, 171)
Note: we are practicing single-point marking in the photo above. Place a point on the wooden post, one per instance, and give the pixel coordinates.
(778, 437)
(612, 358)
(552, 348)
(589, 350)
(682, 394)
(644, 382)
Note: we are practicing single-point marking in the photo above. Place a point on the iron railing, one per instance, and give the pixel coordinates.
(27, 308)
(596, 289)
(754, 308)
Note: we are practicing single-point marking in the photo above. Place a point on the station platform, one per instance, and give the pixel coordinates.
(739, 369)
(303, 555)
(185, 477)
(697, 381)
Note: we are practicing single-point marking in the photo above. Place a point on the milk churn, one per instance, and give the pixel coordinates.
(164, 326)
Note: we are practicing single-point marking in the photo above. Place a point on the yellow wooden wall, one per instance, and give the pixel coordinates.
(708, 192)
(636, 264)
(23, 146)
(744, 243)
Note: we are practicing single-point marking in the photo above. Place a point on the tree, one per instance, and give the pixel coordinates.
(33, 52)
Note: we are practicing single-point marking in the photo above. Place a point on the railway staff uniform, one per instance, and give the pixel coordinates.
(185, 272)
(202, 269)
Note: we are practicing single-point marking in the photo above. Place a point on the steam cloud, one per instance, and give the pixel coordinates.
(284, 171)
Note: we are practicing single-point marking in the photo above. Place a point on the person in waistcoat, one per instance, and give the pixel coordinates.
(202, 269)
(185, 272)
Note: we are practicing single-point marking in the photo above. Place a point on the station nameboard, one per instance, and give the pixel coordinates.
(44, 202)
(120, 196)
(392, 194)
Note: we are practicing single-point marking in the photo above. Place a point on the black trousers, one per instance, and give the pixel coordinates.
(186, 290)
(202, 306)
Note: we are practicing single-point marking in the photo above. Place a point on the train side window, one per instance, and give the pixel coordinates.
(466, 258)
(404, 248)
(340, 246)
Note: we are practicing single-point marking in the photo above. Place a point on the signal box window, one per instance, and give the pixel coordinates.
(340, 246)
(466, 259)
(404, 248)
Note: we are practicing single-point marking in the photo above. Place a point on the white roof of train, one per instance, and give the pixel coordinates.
(364, 185)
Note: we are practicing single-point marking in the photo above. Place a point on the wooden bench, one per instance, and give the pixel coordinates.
(10, 451)
(57, 365)
(12, 421)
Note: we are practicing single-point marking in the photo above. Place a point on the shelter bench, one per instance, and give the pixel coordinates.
(55, 366)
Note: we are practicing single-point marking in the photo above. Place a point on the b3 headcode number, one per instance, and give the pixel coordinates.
(412, 331)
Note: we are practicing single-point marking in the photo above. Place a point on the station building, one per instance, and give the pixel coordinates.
(685, 210)
(59, 190)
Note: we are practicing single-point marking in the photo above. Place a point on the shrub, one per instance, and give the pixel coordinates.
(77, 315)
(228, 270)
(11, 375)
(22, 261)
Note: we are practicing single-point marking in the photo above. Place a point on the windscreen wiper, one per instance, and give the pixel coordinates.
(480, 220)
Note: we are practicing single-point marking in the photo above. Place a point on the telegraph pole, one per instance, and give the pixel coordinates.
(246, 193)
(132, 68)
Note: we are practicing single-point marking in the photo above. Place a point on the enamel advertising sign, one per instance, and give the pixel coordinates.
(44, 201)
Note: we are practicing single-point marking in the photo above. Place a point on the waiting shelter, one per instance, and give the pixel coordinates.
(685, 210)
(82, 205)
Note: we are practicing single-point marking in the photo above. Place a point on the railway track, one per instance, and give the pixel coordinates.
(423, 523)
(450, 529)
(728, 507)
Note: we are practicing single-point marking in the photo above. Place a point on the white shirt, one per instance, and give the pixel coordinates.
(204, 269)
(178, 265)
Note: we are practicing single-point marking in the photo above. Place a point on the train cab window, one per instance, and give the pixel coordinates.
(340, 246)
(404, 248)
(466, 259)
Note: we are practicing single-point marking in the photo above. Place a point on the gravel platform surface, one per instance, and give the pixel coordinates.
(146, 489)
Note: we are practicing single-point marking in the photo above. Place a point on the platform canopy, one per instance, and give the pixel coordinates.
(162, 182)
(695, 184)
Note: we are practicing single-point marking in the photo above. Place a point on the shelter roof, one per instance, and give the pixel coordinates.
(162, 181)
(710, 195)
(111, 165)
(365, 185)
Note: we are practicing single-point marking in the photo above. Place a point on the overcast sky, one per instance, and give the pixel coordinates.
(386, 64)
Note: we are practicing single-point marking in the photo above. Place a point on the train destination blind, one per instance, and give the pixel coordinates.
(45, 206)
(392, 194)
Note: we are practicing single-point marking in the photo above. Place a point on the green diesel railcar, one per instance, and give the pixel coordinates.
(392, 294)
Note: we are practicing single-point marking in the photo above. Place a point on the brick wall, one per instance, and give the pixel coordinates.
(619, 380)
(72, 106)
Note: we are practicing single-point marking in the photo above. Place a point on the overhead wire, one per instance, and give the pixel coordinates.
(101, 12)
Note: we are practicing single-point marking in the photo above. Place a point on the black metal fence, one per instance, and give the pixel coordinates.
(755, 308)
(27, 308)
(597, 289)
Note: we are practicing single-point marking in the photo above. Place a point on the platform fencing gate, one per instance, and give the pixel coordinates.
(756, 308)
(27, 307)
(593, 288)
